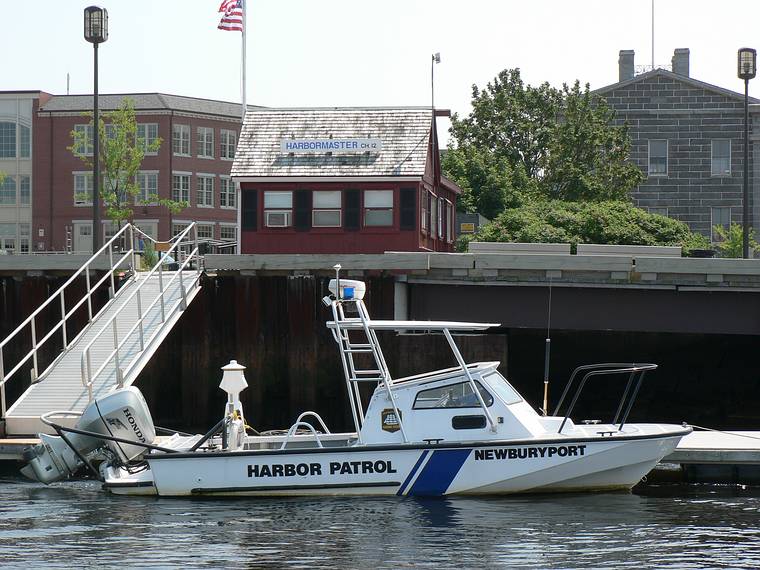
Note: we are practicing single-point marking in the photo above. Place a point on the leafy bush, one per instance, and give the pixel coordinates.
(149, 256)
(612, 222)
(731, 242)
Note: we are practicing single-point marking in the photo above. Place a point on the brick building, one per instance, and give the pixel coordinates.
(688, 138)
(343, 180)
(193, 164)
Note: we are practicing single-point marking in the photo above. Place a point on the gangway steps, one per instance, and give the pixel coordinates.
(61, 387)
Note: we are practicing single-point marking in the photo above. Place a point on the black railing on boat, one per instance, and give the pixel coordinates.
(636, 376)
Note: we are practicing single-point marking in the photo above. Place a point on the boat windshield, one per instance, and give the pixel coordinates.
(459, 395)
(503, 389)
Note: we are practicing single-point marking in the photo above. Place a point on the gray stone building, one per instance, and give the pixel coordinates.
(688, 138)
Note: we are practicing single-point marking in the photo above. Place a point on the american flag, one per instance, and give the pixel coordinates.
(232, 20)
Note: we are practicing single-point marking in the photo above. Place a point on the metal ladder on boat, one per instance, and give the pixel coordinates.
(116, 342)
(369, 345)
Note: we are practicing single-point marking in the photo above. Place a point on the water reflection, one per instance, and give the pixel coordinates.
(74, 523)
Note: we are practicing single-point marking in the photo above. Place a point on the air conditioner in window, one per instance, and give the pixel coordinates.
(278, 219)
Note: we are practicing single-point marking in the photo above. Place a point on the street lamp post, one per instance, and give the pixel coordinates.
(747, 63)
(95, 32)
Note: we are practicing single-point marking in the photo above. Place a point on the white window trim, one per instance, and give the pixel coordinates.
(201, 147)
(233, 192)
(157, 173)
(189, 186)
(712, 156)
(199, 176)
(649, 159)
(222, 144)
(74, 174)
(189, 140)
(145, 140)
(92, 139)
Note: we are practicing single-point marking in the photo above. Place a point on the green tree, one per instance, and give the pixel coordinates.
(555, 143)
(605, 222)
(121, 154)
(731, 243)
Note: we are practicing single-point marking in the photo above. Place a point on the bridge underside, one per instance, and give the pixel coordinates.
(591, 308)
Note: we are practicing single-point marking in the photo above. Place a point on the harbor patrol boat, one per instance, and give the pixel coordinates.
(460, 430)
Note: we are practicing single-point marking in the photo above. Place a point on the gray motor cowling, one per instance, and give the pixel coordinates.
(123, 414)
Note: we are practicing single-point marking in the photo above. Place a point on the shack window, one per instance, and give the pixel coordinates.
(278, 209)
(721, 157)
(458, 395)
(378, 207)
(326, 212)
(658, 157)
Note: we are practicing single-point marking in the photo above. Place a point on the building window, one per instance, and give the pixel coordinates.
(658, 157)
(181, 140)
(227, 150)
(441, 212)
(25, 234)
(226, 192)
(719, 216)
(148, 183)
(378, 207)
(205, 195)
(8, 237)
(86, 146)
(278, 209)
(326, 212)
(659, 210)
(228, 233)
(433, 215)
(83, 188)
(8, 192)
(178, 228)
(7, 140)
(25, 141)
(109, 230)
(449, 221)
(206, 142)
(181, 187)
(148, 134)
(721, 157)
(25, 191)
(424, 211)
(205, 231)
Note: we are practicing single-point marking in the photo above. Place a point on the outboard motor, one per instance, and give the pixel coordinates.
(123, 414)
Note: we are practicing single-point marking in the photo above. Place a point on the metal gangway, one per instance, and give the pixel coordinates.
(117, 340)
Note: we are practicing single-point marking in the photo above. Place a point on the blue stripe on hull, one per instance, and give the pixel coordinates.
(439, 472)
(412, 472)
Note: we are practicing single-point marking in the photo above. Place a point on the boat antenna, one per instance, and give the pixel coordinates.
(547, 351)
(337, 268)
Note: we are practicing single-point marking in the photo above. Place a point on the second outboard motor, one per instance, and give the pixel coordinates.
(123, 414)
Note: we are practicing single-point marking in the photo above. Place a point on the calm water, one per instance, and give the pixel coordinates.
(75, 524)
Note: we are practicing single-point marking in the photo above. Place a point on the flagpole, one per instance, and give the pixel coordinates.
(239, 232)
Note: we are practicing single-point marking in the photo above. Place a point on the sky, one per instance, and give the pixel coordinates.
(315, 53)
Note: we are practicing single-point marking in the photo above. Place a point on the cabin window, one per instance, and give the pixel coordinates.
(468, 422)
(458, 395)
(378, 207)
(503, 389)
(278, 209)
(326, 212)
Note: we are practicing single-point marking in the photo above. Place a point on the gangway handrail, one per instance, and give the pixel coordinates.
(60, 295)
(86, 364)
(605, 369)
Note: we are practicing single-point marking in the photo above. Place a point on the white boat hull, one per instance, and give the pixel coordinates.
(479, 468)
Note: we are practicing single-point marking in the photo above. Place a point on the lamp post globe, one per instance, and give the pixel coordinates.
(95, 32)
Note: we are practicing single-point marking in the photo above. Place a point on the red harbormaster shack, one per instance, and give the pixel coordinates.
(343, 180)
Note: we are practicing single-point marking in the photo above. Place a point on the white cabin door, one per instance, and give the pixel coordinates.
(82, 237)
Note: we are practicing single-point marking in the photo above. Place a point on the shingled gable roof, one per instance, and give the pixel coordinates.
(676, 77)
(144, 102)
(404, 132)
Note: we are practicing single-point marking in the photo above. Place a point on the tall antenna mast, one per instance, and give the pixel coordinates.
(652, 34)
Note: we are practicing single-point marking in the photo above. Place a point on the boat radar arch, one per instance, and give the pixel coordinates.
(349, 289)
